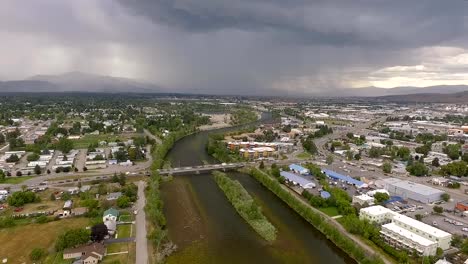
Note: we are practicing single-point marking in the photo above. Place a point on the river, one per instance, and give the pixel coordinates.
(207, 229)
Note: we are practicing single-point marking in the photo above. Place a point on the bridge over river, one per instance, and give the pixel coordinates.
(202, 168)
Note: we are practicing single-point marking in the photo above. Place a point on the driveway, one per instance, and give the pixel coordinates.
(141, 240)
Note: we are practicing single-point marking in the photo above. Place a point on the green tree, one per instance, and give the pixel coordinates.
(2, 176)
(381, 197)
(37, 170)
(453, 151)
(387, 167)
(64, 145)
(419, 217)
(435, 162)
(330, 159)
(123, 201)
(465, 157)
(445, 197)
(417, 169)
(262, 165)
(37, 254)
(72, 238)
(32, 157)
(438, 209)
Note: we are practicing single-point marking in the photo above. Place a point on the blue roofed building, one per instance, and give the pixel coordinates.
(343, 178)
(299, 169)
(297, 179)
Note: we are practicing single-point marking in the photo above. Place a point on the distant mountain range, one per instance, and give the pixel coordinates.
(461, 97)
(376, 92)
(84, 82)
(78, 82)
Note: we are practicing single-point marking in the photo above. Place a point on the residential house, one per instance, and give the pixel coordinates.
(109, 218)
(86, 254)
(113, 196)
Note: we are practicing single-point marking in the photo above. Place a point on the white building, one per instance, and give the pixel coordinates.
(405, 232)
(412, 190)
(363, 199)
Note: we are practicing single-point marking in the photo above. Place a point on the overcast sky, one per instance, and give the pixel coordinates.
(241, 46)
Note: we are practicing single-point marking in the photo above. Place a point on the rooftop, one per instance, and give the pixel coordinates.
(407, 234)
(377, 210)
(298, 179)
(414, 187)
(420, 226)
(345, 178)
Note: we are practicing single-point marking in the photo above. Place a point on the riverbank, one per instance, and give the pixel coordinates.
(358, 250)
(245, 206)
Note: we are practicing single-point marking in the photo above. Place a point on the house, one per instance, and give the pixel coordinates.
(113, 196)
(110, 214)
(87, 254)
(109, 218)
(80, 211)
(68, 205)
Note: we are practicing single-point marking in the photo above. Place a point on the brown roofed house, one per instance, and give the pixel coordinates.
(88, 254)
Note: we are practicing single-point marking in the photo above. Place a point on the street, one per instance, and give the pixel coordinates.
(141, 240)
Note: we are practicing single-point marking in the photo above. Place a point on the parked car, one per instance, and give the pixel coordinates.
(19, 209)
(465, 229)
(434, 223)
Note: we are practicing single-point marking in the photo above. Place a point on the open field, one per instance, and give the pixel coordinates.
(330, 211)
(23, 239)
(17, 180)
(303, 155)
(86, 140)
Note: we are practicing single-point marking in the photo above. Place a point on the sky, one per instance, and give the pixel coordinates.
(245, 46)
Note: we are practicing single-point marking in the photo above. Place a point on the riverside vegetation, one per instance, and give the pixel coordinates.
(245, 205)
(318, 221)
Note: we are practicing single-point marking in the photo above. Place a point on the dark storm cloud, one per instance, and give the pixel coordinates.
(238, 46)
(357, 22)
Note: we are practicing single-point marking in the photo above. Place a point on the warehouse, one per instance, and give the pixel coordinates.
(296, 179)
(412, 190)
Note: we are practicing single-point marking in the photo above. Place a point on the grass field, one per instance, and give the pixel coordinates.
(17, 180)
(303, 155)
(330, 211)
(125, 258)
(86, 140)
(124, 231)
(23, 239)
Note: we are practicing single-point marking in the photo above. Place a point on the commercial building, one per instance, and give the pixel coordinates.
(257, 153)
(406, 233)
(343, 178)
(299, 169)
(412, 190)
(296, 179)
(363, 199)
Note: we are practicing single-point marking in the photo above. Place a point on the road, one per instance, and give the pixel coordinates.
(141, 240)
(150, 135)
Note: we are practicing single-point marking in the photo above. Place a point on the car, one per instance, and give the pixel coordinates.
(135, 212)
(446, 220)
(434, 223)
(465, 229)
(458, 224)
(19, 209)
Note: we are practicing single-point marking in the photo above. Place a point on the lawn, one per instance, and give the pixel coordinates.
(126, 218)
(304, 155)
(124, 231)
(330, 211)
(86, 140)
(19, 241)
(17, 180)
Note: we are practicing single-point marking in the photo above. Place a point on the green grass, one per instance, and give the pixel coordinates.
(124, 231)
(330, 211)
(303, 155)
(126, 218)
(86, 140)
(17, 180)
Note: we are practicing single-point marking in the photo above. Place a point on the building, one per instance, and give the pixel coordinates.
(296, 179)
(113, 196)
(86, 254)
(363, 199)
(257, 153)
(338, 177)
(462, 206)
(403, 232)
(377, 214)
(109, 218)
(299, 169)
(412, 190)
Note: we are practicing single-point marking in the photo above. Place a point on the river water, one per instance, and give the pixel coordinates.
(207, 229)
